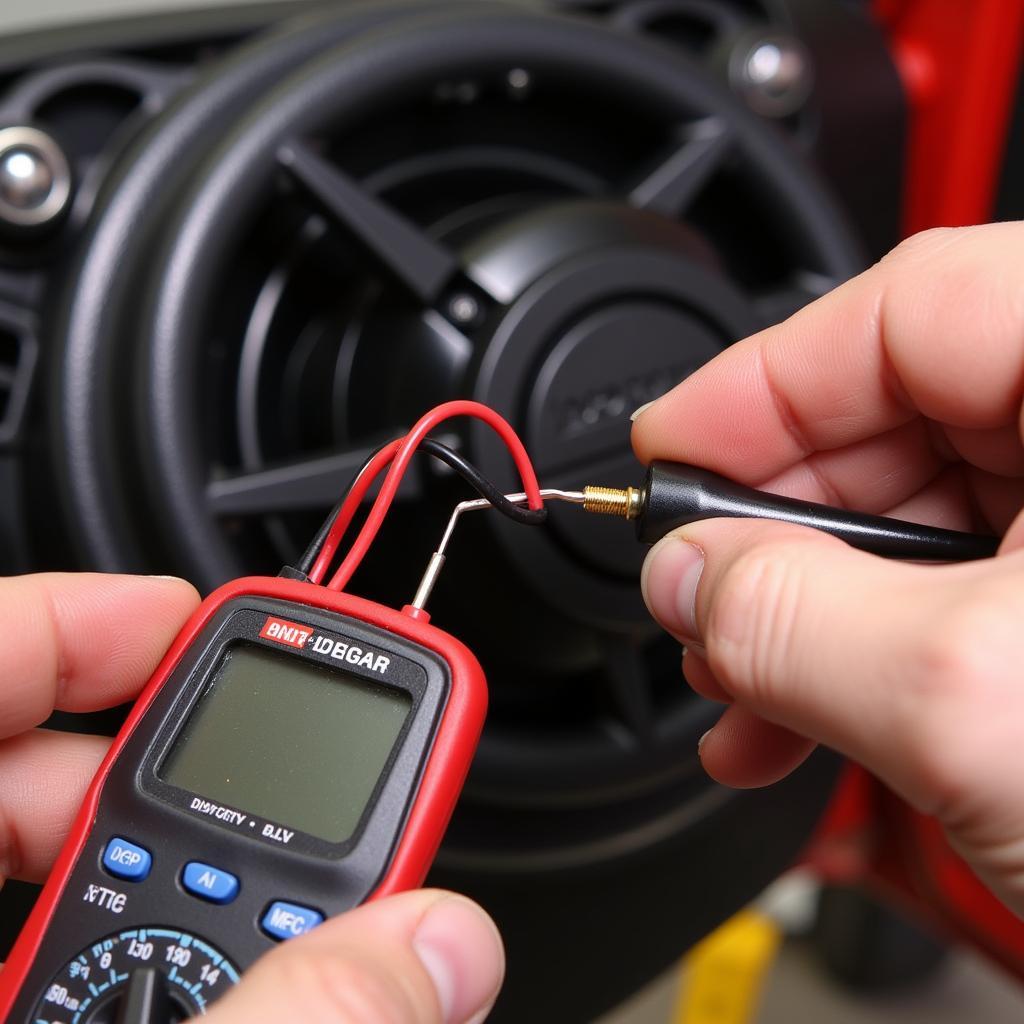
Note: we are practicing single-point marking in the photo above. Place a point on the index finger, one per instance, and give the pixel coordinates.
(80, 642)
(932, 331)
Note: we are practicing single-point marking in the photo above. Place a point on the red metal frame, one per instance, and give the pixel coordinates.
(960, 61)
(435, 800)
(870, 837)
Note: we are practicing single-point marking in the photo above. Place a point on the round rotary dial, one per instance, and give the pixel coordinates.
(165, 974)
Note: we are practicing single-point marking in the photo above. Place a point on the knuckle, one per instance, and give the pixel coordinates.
(330, 988)
(922, 246)
(949, 658)
(967, 642)
(754, 618)
(951, 686)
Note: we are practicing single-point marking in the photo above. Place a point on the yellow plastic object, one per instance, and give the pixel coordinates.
(723, 975)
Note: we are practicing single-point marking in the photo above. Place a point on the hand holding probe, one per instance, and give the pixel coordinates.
(674, 494)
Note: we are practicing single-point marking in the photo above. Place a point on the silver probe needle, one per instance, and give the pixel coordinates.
(437, 559)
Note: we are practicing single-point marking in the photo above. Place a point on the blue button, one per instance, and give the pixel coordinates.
(208, 882)
(286, 920)
(127, 860)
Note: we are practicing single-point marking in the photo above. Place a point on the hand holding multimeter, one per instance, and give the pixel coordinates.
(101, 636)
(299, 751)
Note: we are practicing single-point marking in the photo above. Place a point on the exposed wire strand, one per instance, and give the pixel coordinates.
(399, 455)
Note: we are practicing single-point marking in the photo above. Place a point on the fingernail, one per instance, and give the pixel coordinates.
(461, 950)
(635, 415)
(669, 584)
(700, 742)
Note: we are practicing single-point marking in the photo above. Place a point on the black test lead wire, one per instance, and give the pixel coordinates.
(455, 461)
(674, 495)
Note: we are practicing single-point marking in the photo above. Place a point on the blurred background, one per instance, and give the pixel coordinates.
(198, 344)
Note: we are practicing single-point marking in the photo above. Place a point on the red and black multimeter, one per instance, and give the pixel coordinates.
(299, 751)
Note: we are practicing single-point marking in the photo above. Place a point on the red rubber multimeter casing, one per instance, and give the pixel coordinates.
(85, 923)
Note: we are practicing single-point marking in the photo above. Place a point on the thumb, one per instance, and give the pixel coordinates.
(424, 957)
(866, 655)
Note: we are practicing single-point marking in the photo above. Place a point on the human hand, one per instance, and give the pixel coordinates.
(417, 958)
(900, 393)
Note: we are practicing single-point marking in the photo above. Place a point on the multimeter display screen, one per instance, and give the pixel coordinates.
(290, 740)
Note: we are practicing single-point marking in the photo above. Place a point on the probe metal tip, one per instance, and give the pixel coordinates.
(612, 501)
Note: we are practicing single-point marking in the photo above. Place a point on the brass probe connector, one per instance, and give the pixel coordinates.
(612, 501)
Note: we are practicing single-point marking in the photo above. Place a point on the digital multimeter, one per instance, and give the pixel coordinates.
(299, 751)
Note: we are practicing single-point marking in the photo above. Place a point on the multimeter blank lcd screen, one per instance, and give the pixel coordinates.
(283, 738)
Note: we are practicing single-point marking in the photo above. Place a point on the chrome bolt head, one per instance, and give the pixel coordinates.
(35, 178)
(771, 73)
(519, 83)
(464, 309)
(25, 179)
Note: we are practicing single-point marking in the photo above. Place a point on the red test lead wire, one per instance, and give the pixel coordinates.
(399, 463)
(400, 454)
(349, 507)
